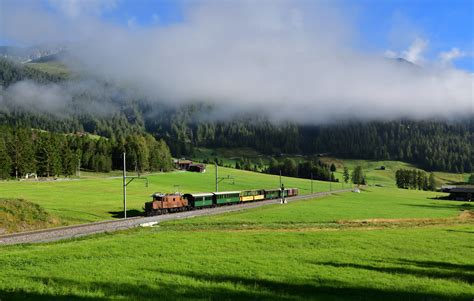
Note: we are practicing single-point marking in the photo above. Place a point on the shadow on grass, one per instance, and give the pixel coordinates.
(464, 206)
(461, 231)
(210, 287)
(431, 269)
(130, 213)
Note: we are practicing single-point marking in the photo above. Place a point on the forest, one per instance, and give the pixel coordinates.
(24, 151)
(116, 113)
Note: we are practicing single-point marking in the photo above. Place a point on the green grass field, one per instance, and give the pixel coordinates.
(373, 202)
(54, 68)
(97, 197)
(297, 251)
(374, 175)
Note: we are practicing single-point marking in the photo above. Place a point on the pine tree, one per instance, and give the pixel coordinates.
(358, 176)
(68, 160)
(22, 152)
(432, 182)
(346, 175)
(5, 161)
(471, 179)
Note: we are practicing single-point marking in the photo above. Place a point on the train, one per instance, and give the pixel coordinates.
(164, 203)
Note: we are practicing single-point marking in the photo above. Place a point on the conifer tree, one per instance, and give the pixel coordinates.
(5, 161)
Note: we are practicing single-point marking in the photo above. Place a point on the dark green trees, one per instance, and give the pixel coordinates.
(432, 182)
(5, 161)
(471, 179)
(48, 154)
(346, 175)
(22, 152)
(358, 176)
(414, 179)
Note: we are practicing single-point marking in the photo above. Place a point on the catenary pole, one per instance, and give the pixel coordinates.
(124, 188)
(217, 176)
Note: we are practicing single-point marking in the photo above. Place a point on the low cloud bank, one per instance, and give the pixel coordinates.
(290, 60)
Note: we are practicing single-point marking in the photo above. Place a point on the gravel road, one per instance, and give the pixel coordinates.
(121, 224)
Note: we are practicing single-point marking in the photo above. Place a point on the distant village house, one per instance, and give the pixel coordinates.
(188, 165)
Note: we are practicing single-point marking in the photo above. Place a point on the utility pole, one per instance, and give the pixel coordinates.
(124, 187)
(330, 181)
(280, 177)
(311, 183)
(217, 176)
(125, 183)
(220, 179)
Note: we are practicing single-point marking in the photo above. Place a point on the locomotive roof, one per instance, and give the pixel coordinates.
(156, 194)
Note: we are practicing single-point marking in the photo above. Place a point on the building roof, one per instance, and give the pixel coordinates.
(459, 189)
(200, 194)
(226, 192)
(184, 162)
(463, 190)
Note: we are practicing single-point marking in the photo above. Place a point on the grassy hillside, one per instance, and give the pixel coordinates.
(21, 215)
(53, 68)
(93, 199)
(320, 259)
(371, 168)
(387, 177)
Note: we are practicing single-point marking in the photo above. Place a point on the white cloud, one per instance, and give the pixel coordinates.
(285, 59)
(448, 56)
(414, 53)
(391, 54)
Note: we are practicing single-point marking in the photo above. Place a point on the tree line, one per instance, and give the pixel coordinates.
(24, 151)
(431, 145)
(415, 179)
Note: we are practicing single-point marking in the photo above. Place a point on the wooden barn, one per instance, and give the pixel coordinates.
(459, 193)
(182, 164)
(197, 167)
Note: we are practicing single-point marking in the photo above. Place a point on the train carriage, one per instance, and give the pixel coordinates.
(272, 193)
(226, 197)
(252, 195)
(199, 200)
(292, 192)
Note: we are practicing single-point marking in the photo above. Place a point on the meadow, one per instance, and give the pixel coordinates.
(306, 250)
(374, 174)
(97, 197)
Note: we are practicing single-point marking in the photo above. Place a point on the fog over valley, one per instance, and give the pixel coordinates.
(273, 57)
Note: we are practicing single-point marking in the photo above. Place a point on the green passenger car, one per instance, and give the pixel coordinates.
(272, 193)
(226, 197)
(199, 200)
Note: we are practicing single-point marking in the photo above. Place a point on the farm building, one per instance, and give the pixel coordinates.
(189, 166)
(459, 193)
(197, 167)
(182, 164)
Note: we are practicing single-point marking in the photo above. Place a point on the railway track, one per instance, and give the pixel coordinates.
(67, 232)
